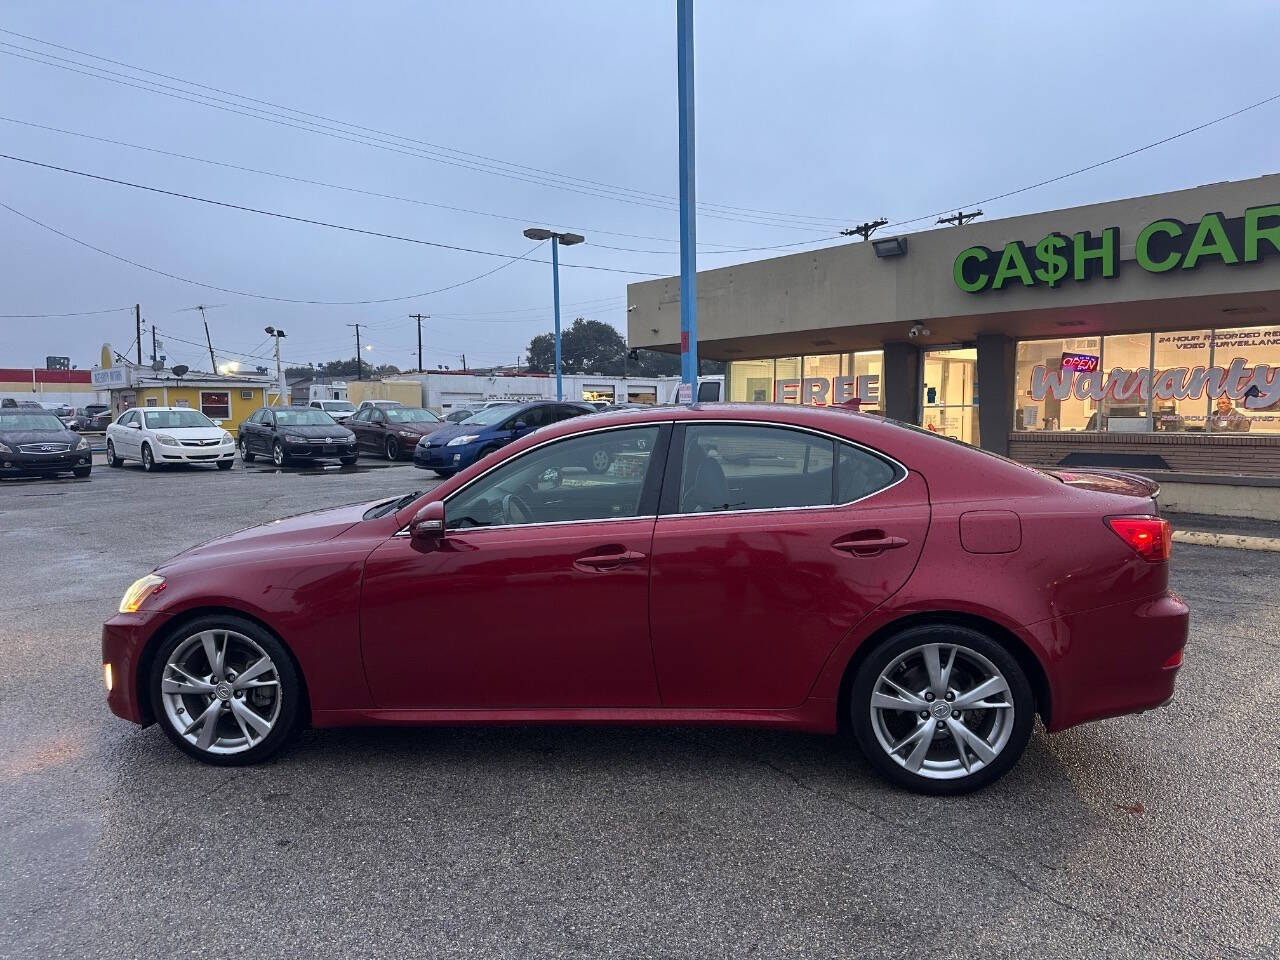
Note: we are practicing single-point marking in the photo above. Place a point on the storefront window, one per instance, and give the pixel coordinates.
(1220, 381)
(215, 406)
(820, 380)
(1036, 409)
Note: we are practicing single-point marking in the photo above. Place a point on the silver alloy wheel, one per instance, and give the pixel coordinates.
(277, 454)
(942, 711)
(221, 691)
(148, 458)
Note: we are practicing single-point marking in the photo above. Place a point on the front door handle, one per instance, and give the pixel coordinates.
(608, 561)
(868, 546)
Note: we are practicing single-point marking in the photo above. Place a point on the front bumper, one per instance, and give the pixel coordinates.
(185, 454)
(318, 451)
(1114, 660)
(25, 464)
(445, 457)
(124, 638)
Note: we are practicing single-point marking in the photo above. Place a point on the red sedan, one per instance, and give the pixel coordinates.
(794, 567)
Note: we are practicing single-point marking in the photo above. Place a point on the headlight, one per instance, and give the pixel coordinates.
(289, 438)
(464, 439)
(165, 440)
(227, 438)
(408, 433)
(5, 448)
(139, 590)
(81, 444)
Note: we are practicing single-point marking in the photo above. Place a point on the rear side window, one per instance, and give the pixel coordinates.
(861, 473)
(741, 467)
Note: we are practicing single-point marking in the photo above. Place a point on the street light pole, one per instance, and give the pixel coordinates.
(688, 204)
(278, 335)
(568, 239)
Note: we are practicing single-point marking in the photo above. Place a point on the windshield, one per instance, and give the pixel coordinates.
(339, 405)
(303, 418)
(487, 418)
(30, 421)
(411, 415)
(175, 419)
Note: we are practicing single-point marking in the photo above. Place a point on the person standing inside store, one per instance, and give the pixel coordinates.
(1226, 418)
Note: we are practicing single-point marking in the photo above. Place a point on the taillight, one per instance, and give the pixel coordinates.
(1149, 536)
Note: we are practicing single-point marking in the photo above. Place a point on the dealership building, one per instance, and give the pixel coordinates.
(1139, 334)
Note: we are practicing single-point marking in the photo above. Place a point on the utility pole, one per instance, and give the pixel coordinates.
(959, 218)
(359, 361)
(137, 323)
(419, 317)
(279, 335)
(865, 230)
(464, 363)
(213, 364)
(153, 343)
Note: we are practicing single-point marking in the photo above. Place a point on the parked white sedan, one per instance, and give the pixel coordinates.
(155, 436)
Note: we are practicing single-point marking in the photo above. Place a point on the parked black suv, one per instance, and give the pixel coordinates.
(288, 434)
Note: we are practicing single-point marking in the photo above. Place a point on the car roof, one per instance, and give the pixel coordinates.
(164, 409)
(14, 411)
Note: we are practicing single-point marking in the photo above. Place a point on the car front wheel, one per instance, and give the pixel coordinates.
(148, 458)
(277, 454)
(392, 449)
(225, 691)
(941, 709)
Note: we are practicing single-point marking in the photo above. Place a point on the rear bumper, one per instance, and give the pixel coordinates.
(124, 637)
(1114, 660)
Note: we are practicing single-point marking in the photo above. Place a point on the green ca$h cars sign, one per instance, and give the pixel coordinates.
(1162, 246)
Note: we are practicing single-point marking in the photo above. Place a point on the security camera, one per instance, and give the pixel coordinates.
(918, 330)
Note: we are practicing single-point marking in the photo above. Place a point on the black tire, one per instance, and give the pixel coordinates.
(112, 459)
(148, 459)
(245, 454)
(224, 464)
(82, 472)
(278, 456)
(348, 461)
(291, 694)
(599, 461)
(392, 448)
(445, 474)
(1019, 694)
(485, 452)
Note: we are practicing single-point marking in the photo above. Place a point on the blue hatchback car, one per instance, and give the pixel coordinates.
(450, 449)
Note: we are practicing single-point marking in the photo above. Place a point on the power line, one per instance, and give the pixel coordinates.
(51, 316)
(349, 189)
(306, 220)
(382, 144)
(373, 130)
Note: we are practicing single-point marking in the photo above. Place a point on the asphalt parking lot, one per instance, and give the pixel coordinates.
(1149, 836)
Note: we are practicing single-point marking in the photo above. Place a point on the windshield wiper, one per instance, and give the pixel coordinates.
(394, 505)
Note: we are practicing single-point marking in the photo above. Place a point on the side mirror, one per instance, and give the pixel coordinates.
(217, 423)
(520, 425)
(134, 425)
(427, 525)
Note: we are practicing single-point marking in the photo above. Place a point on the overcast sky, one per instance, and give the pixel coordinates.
(823, 114)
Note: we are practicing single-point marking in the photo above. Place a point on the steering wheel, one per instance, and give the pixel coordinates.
(515, 510)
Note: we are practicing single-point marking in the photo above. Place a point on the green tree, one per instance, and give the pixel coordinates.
(341, 369)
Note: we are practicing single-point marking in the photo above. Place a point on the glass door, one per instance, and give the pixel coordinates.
(949, 392)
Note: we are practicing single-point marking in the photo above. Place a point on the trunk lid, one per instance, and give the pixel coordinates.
(1109, 481)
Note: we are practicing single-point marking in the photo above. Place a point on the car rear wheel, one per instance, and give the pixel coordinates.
(112, 459)
(148, 458)
(277, 454)
(225, 691)
(392, 448)
(245, 453)
(941, 709)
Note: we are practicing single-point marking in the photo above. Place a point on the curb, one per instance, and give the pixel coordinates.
(1233, 541)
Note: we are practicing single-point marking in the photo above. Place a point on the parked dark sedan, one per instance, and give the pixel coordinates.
(392, 432)
(34, 442)
(91, 419)
(451, 448)
(289, 434)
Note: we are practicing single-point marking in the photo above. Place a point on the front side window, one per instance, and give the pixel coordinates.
(742, 467)
(215, 405)
(594, 476)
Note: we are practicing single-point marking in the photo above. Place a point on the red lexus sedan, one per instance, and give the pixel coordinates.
(780, 566)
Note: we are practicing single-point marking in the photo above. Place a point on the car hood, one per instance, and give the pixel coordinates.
(304, 528)
(448, 431)
(1108, 481)
(319, 431)
(14, 437)
(420, 427)
(191, 433)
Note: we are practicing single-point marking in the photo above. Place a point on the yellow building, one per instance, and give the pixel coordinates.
(228, 399)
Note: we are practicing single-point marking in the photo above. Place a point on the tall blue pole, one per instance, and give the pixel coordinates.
(555, 293)
(688, 218)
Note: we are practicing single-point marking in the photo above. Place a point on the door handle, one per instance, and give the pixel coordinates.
(608, 561)
(868, 546)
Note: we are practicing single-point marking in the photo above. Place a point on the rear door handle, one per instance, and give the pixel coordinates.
(870, 546)
(608, 561)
